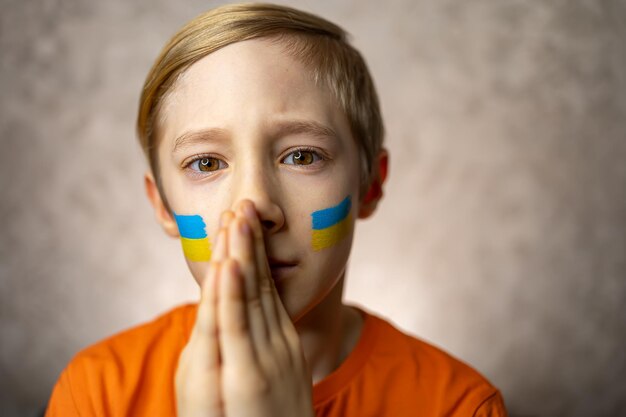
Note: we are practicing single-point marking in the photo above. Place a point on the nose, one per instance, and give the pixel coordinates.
(260, 187)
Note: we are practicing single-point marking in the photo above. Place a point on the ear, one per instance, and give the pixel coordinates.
(375, 191)
(163, 216)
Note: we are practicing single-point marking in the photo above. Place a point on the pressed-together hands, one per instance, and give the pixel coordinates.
(244, 357)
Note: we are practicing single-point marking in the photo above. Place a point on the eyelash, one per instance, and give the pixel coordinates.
(199, 157)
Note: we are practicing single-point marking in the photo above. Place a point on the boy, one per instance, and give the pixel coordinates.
(263, 133)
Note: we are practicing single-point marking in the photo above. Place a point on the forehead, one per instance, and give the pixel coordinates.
(248, 83)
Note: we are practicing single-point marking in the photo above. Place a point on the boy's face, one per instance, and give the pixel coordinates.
(260, 105)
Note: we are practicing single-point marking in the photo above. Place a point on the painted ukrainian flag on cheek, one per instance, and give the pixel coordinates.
(331, 225)
(196, 245)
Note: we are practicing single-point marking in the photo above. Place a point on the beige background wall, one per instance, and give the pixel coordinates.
(502, 236)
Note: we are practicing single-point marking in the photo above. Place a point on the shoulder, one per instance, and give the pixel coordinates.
(169, 328)
(107, 373)
(434, 374)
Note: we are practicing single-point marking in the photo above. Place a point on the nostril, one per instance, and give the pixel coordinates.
(268, 224)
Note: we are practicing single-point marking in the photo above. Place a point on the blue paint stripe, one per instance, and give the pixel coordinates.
(191, 226)
(325, 218)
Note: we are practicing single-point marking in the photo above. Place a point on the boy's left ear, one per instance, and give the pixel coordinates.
(375, 191)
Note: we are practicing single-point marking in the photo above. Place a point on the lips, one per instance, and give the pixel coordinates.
(280, 268)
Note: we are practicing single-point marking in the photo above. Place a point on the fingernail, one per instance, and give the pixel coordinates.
(226, 218)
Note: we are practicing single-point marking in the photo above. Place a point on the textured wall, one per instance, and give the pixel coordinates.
(502, 236)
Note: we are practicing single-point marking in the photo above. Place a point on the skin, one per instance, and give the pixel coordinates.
(247, 90)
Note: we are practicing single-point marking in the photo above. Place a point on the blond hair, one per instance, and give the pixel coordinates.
(319, 44)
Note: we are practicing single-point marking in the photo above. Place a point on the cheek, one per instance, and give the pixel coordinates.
(199, 271)
(193, 236)
(331, 225)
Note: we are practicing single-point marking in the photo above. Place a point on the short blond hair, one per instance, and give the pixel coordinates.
(319, 44)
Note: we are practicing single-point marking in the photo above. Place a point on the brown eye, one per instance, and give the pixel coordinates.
(302, 157)
(208, 164)
(205, 164)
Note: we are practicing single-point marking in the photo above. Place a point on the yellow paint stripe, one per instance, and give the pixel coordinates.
(330, 236)
(197, 250)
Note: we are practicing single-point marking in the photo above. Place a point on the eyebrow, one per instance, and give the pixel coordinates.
(308, 127)
(187, 139)
(280, 129)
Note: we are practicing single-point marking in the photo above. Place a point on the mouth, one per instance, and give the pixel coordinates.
(280, 269)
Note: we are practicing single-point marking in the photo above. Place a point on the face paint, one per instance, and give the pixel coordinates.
(196, 245)
(331, 225)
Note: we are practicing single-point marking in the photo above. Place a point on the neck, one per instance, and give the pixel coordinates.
(328, 333)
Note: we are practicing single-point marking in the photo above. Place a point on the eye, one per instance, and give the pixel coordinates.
(205, 163)
(303, 156)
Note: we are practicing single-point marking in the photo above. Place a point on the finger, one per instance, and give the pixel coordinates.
(288, 330)
(204, 336)
(266, 281)
(249, 211)
(241, 248)
(235, 342)
(198, 386)
(267, 289)
(221, 247)
(226, 217)
(198, 376)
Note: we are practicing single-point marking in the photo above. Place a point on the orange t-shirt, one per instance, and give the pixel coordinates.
(388, 373)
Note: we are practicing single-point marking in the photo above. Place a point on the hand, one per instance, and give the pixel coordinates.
(244, 356)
